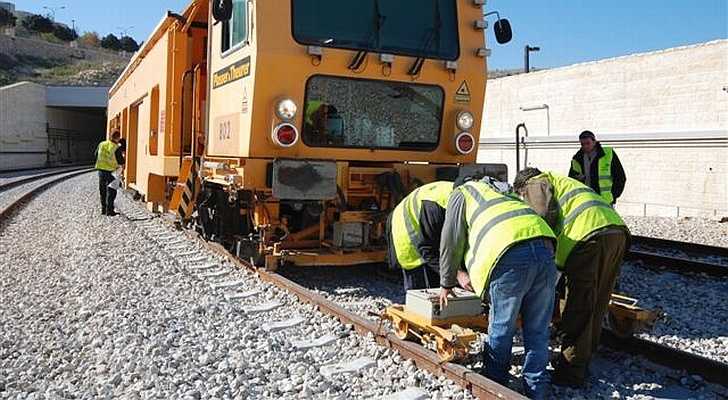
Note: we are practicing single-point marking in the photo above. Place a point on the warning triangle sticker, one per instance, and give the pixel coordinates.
(462, 95)
(463, 90)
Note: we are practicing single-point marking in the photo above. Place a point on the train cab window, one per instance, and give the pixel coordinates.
(372, 114)
(417, 28)
(235, 31)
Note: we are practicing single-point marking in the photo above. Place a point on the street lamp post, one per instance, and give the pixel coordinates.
(52, 11)
(526, 57)
(124, 31)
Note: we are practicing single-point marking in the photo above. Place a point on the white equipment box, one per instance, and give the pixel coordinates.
(426, 303)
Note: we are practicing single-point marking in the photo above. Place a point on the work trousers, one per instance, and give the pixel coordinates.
(522, 282)
(591, 272)
(107, 194)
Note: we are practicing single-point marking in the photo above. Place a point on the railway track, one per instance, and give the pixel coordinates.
(19, 191)
(682, 257)
(7, 183)
(481, 387)
(425, 359)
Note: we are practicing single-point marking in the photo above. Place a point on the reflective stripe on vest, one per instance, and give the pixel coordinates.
(495, 223)
(605, 175)
(106, 156)
(406, 232)
(581, 212)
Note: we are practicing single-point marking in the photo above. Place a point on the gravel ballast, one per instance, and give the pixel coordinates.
(695, 309)
(98, 307)
(686, 229)
(614, 374)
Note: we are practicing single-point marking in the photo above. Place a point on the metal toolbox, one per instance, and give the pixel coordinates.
(426, 303)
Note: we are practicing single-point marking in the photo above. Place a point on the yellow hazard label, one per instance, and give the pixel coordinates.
(462, 95)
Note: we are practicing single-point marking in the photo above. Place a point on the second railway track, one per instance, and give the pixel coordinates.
(19, 191)
(682, 257)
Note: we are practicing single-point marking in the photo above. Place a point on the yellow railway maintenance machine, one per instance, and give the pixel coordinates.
(288, 129)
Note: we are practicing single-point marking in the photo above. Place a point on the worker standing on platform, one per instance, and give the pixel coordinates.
(592, 240)
(598, 167)
(508, 251)
(414, 239)
(106, 164)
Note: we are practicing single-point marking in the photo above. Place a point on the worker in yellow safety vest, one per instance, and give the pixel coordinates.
(414, 235)
(598, 167)
(591, 242)
(508, 251)
(106, 164)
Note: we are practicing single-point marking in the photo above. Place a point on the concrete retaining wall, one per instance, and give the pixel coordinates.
(665, 112)
(23, 139)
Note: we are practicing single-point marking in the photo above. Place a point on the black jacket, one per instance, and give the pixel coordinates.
(619, 179)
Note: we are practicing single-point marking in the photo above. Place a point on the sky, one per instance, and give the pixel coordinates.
(568, 31)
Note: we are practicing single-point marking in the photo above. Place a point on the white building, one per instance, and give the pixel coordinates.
(665, 113)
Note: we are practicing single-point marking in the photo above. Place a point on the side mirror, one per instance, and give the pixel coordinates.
(222, 10)
(502, 30)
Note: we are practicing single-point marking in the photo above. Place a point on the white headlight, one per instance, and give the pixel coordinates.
(286, 109)
(465, 121)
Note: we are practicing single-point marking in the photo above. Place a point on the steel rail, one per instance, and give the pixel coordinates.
(679, 263)
(18, 203)
(480, 386)
(710, 370)
(24, 180)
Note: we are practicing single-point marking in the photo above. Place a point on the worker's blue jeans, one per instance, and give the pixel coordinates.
(523, 281)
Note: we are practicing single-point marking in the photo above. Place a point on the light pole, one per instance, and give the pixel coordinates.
(52, 11)
(526, 57)
(124, 31)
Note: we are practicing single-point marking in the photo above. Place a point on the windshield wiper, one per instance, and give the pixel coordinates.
(375, 37)
(433, 35)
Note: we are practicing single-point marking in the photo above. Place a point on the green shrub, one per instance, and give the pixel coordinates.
(111, 42)
(38, 23)
(64, 33)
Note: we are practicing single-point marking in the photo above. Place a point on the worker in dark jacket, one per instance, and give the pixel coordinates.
(599, 168)
(414, 239)
(591, 241)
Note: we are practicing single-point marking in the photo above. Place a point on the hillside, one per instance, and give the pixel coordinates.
(24, 59)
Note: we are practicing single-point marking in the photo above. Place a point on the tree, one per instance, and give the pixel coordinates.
(64, 33)
(90, 39)
(38, 23)
(7, 18)
(111, 42)
(128, 44)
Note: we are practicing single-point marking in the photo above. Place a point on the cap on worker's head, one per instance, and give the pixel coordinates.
(587, 135)
(115, 135)
(523, 176)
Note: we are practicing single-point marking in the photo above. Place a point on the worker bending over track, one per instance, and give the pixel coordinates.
(414, 239)
(592, 239)
(508, 252)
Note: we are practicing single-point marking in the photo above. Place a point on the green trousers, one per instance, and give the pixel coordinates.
(591, 272)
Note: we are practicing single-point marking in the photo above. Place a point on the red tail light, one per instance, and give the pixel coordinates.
(285, 135)
(464, 143)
